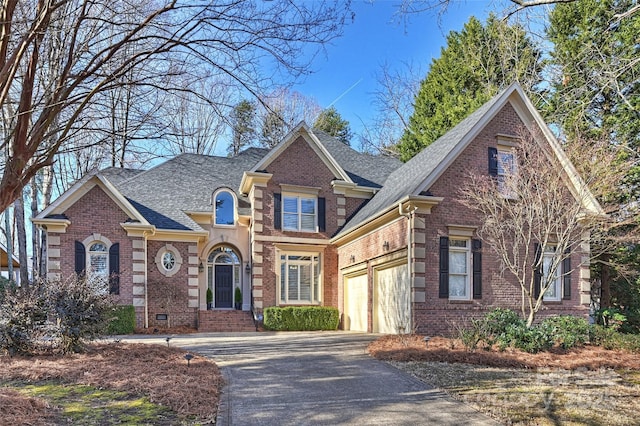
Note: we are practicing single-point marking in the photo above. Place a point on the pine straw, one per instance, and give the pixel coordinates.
(23, 410)
(440, 349)
(155, 371)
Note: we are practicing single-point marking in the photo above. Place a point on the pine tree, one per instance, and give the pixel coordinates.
(476, 63)
(243, 119)
(331, 122)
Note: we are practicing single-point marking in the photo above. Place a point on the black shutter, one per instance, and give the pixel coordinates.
(537, 272)
(444, 267)
(566, 281)
(277, 210)
(493, 161)
(322, 221)
(81, 258)
(114, 269)
(476, 246)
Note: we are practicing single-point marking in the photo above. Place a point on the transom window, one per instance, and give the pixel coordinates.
(459, 261)
(98, 260)
(299, 213)
(553, 292)
(224, 208)
(300, 278)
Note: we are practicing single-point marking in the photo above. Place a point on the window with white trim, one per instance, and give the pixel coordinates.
(459, 261)
(299, 213)
(554, 291)
(300, 278)
(98, 261)
(224, 204)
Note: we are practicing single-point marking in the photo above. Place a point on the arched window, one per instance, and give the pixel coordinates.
(98, 260)
(224, 208)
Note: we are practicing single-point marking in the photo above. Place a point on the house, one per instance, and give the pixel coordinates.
(309, 222)
(4, 264)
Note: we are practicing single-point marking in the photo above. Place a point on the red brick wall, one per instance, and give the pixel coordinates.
(301, 166)
(95, 212)
(499, 289)
(179, 311)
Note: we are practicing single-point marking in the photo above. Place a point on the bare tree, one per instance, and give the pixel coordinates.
(44, 97)
(538, 210)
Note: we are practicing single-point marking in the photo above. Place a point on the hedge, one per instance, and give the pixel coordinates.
(123, 320)
(301, 318)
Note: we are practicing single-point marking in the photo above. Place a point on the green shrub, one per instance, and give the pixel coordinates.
(532, 339)
(566, 330)
(499, 325)
(122, 320)
(301, 318)
(611, 339)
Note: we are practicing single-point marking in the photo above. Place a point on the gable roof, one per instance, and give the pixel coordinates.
(363, 169)
(421, 171)
(186, 183)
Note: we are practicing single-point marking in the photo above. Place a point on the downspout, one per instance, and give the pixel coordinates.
(409, 215)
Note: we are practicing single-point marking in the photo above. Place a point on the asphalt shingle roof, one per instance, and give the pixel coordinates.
(406, 179)
(364, 169)
(186, 183)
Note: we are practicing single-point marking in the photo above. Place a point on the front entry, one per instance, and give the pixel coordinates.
(224, 286)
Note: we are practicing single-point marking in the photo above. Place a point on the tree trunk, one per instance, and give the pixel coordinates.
(21, 233)
(605, 282)
(35, 241)
(7, 227)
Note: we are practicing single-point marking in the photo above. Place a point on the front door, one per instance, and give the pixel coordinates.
(224, 286)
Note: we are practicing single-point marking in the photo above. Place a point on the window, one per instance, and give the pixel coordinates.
(299, 213)
(98, 261)
(224, 208)
(459, 260)
(502, 164)
(554, 291)
(168, 260)
(300, 278)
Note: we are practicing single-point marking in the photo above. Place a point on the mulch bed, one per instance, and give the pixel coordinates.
(440, 349)
(158, 372)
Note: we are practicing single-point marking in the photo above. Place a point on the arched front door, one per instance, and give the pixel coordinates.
(223, 274)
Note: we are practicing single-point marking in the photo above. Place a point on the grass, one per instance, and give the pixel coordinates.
(585, 386)
(131, 384)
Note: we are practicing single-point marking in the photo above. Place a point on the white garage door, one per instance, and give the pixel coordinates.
(355, 303)
(392, 300)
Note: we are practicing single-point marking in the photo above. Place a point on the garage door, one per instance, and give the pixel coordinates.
(392, 300)
(355, 303)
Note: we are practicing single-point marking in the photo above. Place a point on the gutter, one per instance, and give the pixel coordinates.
(409, 215)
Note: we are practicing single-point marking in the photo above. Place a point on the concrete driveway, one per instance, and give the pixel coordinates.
(317, 378)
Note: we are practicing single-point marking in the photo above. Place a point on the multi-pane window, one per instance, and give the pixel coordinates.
(554, 291)
(459, 261)
(98, 260)
(299, 213)
(299, 278)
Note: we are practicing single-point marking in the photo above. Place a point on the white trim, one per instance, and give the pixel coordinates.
(160, 265)
(316, 282)
(469, 267)
(235, 207)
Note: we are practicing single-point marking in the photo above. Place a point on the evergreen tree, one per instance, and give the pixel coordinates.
(274, 128)
(243, 126)
(331, 122)
(476, 64)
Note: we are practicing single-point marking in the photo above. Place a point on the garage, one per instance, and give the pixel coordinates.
(355, 302)
(392, 299)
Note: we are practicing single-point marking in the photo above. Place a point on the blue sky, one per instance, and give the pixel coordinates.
(346, 75)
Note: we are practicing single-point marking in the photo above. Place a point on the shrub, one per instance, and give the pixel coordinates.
(529, 339)
(301, 318)
(81, 308)
(23, 318)
(499, 326)
(122, 320)
(566, 330)
(611, 339)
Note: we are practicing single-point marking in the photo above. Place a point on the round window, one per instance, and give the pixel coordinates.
(168, 260)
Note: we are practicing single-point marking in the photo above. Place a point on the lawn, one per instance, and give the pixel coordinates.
(581, 386)
(113, 383)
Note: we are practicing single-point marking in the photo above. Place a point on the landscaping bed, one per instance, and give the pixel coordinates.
(110, 384)
(582, 385)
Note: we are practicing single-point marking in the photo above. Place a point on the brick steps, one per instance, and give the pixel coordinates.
(226, 321)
